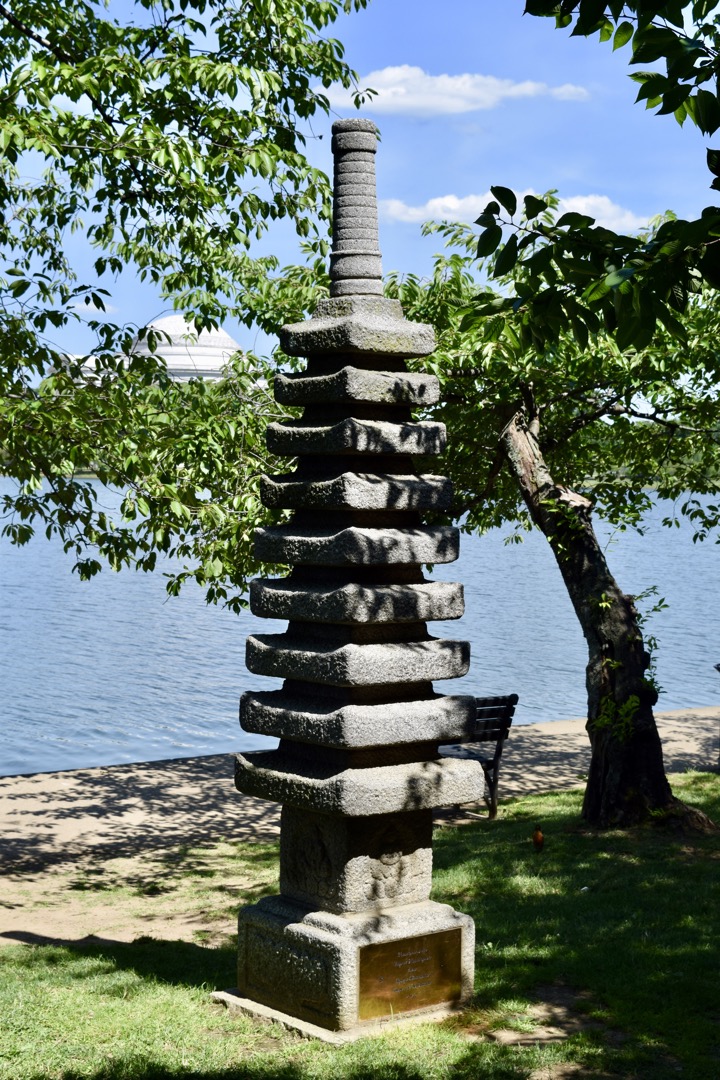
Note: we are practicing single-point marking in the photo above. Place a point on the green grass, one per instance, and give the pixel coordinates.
(626, 923)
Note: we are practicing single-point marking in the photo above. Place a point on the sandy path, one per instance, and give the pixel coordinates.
(126, 809)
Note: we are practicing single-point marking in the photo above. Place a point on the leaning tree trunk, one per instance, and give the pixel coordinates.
(627, 779)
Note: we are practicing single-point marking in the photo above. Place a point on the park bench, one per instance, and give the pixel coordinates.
(491, 725)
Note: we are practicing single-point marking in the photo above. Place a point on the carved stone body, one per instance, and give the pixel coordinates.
(357, 769)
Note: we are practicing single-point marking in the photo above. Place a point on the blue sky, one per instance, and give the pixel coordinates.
(473, 93)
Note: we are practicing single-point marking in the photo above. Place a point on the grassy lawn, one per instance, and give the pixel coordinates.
(617, 934)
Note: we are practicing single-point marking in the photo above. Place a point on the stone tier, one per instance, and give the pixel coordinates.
(348, 725)
(353, 436)
(352, 385)
(352, 603)
(360, 326)
(385, 789)
(357, 546)
(357, 491)
(288, 656)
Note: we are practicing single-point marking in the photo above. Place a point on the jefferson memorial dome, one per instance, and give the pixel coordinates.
(189, 354)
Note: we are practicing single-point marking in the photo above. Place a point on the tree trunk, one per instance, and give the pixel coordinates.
(627, 779)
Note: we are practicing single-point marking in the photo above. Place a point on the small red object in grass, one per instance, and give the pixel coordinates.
(537, 838)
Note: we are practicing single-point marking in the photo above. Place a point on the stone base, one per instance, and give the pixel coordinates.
(233, 1000)
(343, 972)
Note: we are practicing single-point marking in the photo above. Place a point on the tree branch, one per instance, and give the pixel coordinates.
(496, 467)
(656, 417)
(44, 43)
(583, 420)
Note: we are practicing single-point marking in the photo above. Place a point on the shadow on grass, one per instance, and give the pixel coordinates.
(166, 871)
(630, 915)
(469, 1067)
(178, 963)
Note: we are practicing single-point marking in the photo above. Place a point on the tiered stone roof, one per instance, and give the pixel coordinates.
(358, 717)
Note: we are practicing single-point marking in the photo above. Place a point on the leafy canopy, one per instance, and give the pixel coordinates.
(164, 136)
(617, 425)
(684, 36)
(571, 275)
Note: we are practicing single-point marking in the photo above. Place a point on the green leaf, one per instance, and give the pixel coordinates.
(596, 291)
(573, 220)
(507, 257)
(673, 325)
(713, 161)
(653, 43)
(681, 113)
(652, 88)
(488, 241)
(541, 7)
(623, 34)
(506, 197)
(706, 111)
(591, 17)
(492, 331)
(618, 277)
(673, 99)
(488, 215)
(533, 206)
(710, 263)
(606, 30)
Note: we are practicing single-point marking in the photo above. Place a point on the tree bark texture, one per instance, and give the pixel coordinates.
(627, 779)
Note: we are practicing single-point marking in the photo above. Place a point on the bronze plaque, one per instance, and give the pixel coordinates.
(413, 973)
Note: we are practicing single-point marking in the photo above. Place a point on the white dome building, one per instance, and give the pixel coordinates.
(189, 354)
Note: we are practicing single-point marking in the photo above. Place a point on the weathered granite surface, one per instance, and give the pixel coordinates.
(306, 963)
(283, 656)
(357, 491)
(351, 385)
(272, 598)
(353, 936)
(348, 864)
(359, 326)
(356, 545)
(353, 436)
(385, 789)
(278, 713)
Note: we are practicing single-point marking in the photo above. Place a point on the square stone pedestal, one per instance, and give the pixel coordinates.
(347, 973)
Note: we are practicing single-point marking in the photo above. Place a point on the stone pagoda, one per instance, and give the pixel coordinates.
(353, 938)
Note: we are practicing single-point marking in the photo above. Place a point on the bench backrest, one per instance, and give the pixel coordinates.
(493, 717)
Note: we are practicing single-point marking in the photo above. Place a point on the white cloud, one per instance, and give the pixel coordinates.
(605, 211)
(92, 308)
(442, 208)
(469, 207)
(410, 91)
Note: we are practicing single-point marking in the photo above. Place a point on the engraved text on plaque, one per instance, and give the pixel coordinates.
(413, 973)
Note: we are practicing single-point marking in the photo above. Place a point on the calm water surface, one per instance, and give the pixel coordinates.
(111, 670)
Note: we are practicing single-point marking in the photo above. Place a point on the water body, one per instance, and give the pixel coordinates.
(112, 671)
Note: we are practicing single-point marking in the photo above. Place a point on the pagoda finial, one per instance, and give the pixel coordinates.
(355, 263)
